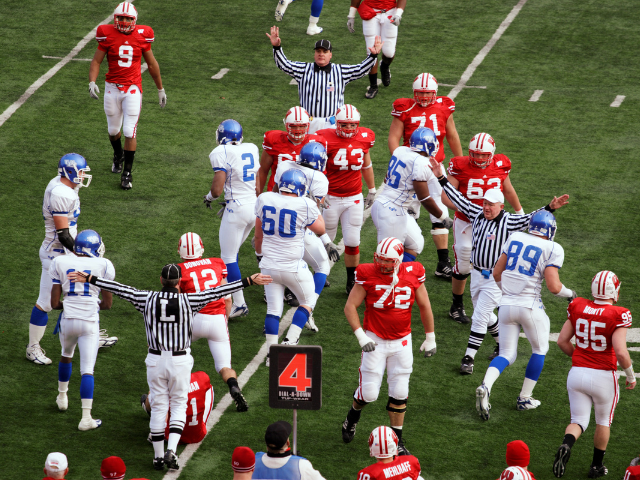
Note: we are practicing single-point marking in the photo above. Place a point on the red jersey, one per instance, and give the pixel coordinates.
(124, 52)
(475, 181)
(386, 313)
(434, 116)
(277, 144)
(632, 473)
(199, 275)
(346, 157)
(509, 475)
(199, 403)
(403, 467)
(381, 4)
(594, 324)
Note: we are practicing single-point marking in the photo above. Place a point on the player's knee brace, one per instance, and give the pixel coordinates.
(460, 276)
(395, 401)
(437, 228)
(351, 250)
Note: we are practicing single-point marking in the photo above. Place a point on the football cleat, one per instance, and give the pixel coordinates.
(266, 362)
(158, 463)
(314, 29)
(150, 439)
(62, 401)
(171, 460)
(311, 324)
(281, 8)
(286, 341)
(402, 450)
(238, 398)
(466, 366)
(143, 402)
(482, 401)
(444, 270)
(348, 431)
(371, 92)
(350, 284)
(37, 355)
(125, 181)
(117, 163)
(89, 424)
(562, 457)
(528, 403)
(290, 298)
(496, 352)
(457, 313)
(385, 74)
(597, 472)
(239, 311)
(105, 340)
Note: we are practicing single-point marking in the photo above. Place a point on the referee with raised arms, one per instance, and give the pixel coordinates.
(321, 83)
(491, 226)
(168, 319)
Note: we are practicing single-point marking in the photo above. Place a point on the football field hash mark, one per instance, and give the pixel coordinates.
(466, 86)
(618, 101)
(220, 74)
(74, 59)
(536, 95)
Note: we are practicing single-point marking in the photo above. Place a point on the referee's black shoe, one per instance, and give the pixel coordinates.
(385, 74)
(371, 92)
(457, 313)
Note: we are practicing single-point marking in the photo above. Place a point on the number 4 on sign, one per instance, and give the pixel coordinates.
(295, 374)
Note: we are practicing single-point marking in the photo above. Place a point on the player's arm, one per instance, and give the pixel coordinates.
(61, 223)
(455, 184)
(511, 195)
(154, 68)
(452, 137)
(56, 294)
(356, 297)
(217, 184)
(498, 269)
(619, 340)
(426, 316)
(258, 235)
(564, 338)
(317, 227)
(369, 180)
(138, 298)
(94, 68)
(422, 192)
(266, 161)
(107, 300)
(555, 286)
(395, 134)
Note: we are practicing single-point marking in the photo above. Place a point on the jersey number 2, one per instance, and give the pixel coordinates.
(246, 177)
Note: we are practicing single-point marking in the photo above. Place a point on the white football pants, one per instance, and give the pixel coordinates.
(462, 244)
(348, 211)
(381, 26)
(300, 283)
(485, 296)
(85, 334)
(403, 227)
(588, 386)
(238, 220)
(315, 254)
(319, 123)
(214, 329)
(44, 298)
(534, 322)
(122, 109)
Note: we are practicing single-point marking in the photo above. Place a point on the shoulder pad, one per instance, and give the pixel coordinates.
(402, 105)
(146, 32)
(447, 102)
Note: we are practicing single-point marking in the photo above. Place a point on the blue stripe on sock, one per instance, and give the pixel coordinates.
(271, 324)
(233, 272)
(318, 280)
(534, 367)
(316, 7)
(86, 386)
(500, 363)
(64, 372)
(408, 258)
(300, 317)
(38, 317)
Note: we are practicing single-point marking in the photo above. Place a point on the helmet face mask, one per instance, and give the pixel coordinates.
(74, 168)
(347, 121)
(190, 246)
(383, 443)
(89, 243)
(125, 17)
(481, 150)
(297, 123)
(605, 286)
(425, 89)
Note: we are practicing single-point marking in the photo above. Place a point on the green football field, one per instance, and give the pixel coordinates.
(581, 54)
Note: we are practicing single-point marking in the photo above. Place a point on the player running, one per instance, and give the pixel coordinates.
(600, 330)
(389, 289)
(210, 322)
(349, 162)
(235, 166)
(125, 44)
(383, 445)
(80, 320)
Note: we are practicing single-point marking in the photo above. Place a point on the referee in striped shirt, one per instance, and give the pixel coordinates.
(491, 227)
(168, 320)
(321, 83)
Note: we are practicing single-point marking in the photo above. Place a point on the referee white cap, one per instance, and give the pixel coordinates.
(494, 196)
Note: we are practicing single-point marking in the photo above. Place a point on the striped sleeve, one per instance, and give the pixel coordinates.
(471, 210)
(138, 298)
(293, 69)
(199, 300)
(519, 223)
(354, 72)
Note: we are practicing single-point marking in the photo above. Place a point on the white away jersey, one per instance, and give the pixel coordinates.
(241, 163)
(317, 183)
(405, 167)
(80, 299)
(284, 221)
(527, 258)
(59, 201)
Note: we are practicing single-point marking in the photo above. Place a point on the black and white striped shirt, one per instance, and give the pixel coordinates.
(321, 93)
(168, 315)
(488, 236)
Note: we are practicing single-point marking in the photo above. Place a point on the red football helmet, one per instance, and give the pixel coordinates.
(425, 82)
(383, 443)
(347, 114)
(126, 10)
(190, 246)
(605, 285)
(297, 123)
(480, 146)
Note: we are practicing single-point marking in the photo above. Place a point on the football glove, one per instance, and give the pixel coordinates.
(94, 90)
(208, 198)
(429, 345)
(162, 97)
(258, 257)
(220, 212)
(448, 223)
(351, 24)
(332, 251)
(371, 196)
(395, 19)
(573, 296)
(365, 342)
(369, 347)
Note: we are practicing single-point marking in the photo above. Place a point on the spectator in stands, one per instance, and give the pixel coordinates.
(56, 466)
(243, 461)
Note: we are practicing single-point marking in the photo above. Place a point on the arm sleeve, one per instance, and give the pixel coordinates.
(110, 271)
(556, 259)
(53, 272)
(217, 158)
(293, 69)
(197, 301)
(354, 72)
(471, 210)
(313, 212)
(138, 298)
(308, 472)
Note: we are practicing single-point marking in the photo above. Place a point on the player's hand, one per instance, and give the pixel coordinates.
(631, 386)
(448, 223)
(369, 347)
(94, 90)
(371, 196)
(558, 202)
(274, 36)
(260, 279)
(395, 19)
(332, 251)
(220, 212)
(377, 46)
(208, 198)
(435, 167)
(429, 345)
(351, 24)
(163, 98)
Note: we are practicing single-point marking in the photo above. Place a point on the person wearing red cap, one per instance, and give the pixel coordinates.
(113, 468)
(243, 462)
(56, 466)
(518, 455)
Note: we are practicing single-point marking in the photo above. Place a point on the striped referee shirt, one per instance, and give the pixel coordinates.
(488, 236)
(168, 315)
(321, 89)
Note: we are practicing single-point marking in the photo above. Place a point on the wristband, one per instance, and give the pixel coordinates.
(399, 12)
(258, 254)
(372, 190)
(210, 197)
(445, 214)
(362, 337)
(520, 212)
(423, 199)
(630, 374)
(246, 282)
(325, 238)
(564, 292)
(92, 279)
(352, 12)
(431, 335)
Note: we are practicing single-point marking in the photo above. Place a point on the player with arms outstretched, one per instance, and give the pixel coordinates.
(600, 330)
(125, 44)
(427, 109)
(383, 445)
(235, 166)
(389, 289)
(349, 162)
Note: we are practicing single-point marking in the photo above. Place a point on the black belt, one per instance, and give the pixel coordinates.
(175, 353)
(486, 272)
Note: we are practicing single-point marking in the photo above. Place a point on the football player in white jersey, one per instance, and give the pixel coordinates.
(527, 259)
(236, 167)
(405, 187)
(281, 222)
(317, 251)
(80, 320)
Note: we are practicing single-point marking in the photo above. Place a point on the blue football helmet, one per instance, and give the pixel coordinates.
(74, 167)
(424, 140)
(293, 181)
(543, 223)
(89, 242)
(313, 155)
(229, 132)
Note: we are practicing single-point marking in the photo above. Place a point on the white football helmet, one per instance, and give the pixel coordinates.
(425, 82)
(297, 123)
(605, 285)
(347, 114)
(383, 443)
(515, 473)
(125, 9)
(190, 246)
(389, 250)
(482, 144)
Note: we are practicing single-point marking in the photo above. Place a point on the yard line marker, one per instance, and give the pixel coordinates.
(485, 50)
(220, 74)
(618, 101)
(536, 95)
(76, 59)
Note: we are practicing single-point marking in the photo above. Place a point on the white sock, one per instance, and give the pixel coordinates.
(294, 333)
(471, 352)
(36, 333)
(63, 388)
(271, 340)
(172, 443)
(313, 20)
(490, 377)
(238, 298)
(158, 449)
(527, 387)
(87, 404)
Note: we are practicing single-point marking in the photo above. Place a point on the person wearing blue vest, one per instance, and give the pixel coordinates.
(279, 463)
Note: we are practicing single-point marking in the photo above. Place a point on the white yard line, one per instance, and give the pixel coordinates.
(618, 101)
(466, 86)
(485, 50)
(220, 74)
(536, 95)
(75, 59)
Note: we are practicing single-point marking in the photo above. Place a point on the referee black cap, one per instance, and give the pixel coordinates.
(171, 271)
(326, 44)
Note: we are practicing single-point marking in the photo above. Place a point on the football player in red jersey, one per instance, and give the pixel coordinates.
(383, 445)
(426, 109)
(600, 330)
(124, 43)
(389, 288)
(473, 176)
(349, 162)
(199, 274)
